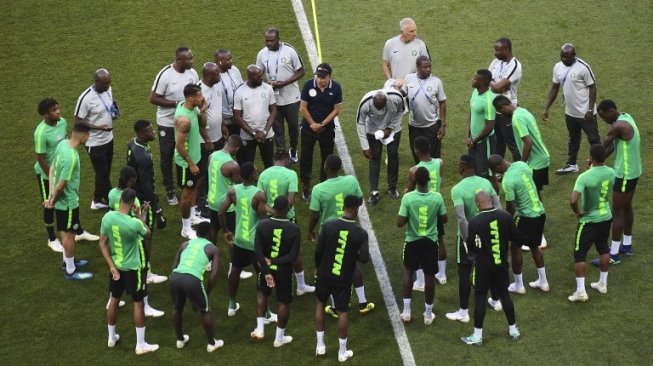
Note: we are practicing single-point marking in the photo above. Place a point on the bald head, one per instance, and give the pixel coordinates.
(498, 164)
(568, 47)
(102, 80)
(483, 201)
(210, 74)
(379, 100)
(254, 76)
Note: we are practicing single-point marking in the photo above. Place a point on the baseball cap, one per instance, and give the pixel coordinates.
(323, 70)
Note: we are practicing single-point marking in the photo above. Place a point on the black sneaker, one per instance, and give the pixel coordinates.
(306, 194)
(393, 194)
(374, 199)
(293, 156)
(172, 198)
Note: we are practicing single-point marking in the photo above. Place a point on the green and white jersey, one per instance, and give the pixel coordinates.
(524, 124)
(66, 168)
(114, 200)
(328, 197)
(246, 216)
(218, 183)
(433, 167)
(193, 259)
(595, 187)
(480, 110)
(278, 181)
(519, 187)
(193, 138)
(46, 139)
(627, 162)
(125, 234)
(422, 211)
(464, 193)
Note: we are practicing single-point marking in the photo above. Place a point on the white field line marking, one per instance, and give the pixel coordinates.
(379, 265)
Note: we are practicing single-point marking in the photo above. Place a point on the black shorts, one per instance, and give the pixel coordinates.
(282, 286)
(183, 286)
(67, 220)
(186, 179)
(496, 278)
(620, 185)
(133, 282)
(230, 216)
(461, 254)
(242, 257)
(541, 178)
(589, 233)
(481, 153)
(532, 229)
(44, 187)
(421, 253)
(341, 295)
(440, 229)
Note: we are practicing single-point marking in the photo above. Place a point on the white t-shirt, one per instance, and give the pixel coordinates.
(281, 65)
(255, 102)
(576, 80)
(510, 70)
(424, 97)
(170, 84)
(213, 99)
(229, 82)
(402, 56)
(95, 109)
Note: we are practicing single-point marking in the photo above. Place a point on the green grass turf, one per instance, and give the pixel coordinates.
(52, 48)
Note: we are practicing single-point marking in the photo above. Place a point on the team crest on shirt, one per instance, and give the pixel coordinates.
(189, 183)
(264, 95)
(413, 52)
(572, 76)
(312, 92)
(60, 137)
(429, 88)
(283, 60)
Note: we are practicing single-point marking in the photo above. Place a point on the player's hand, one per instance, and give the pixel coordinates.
(194, 169)
(203, 106)
(386, 132)
(269, 280)
(470, 142)
(277, 84)
(589, 116)
(367, 154)
(442, 132)
(48, 203)
(115, 274)
(229, 237)
(545, 115)
(160, 219)
(580, 214)
(316, 127)
(311, 236)
(260, 136)
(208, 146)
(268, 261)
(399, 83)
(225, 132)
(104, 128)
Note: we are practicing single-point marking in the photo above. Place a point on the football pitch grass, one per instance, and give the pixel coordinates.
(52, 48)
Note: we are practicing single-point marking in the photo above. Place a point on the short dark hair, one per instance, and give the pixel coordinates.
(126, 173)
(272, 30)
(353, 201)
(128, 196)
(500, 100)
(422, 176)
(81, 127)
(485, 74)
(597, 152)
(46, 104)
(236, 140)
(468, 161)
(280, 154)
(333, 162)
(605, 105)
(141, 124)
(421, 59)
(280, 203)
(181, 50)
(221, 51)
(422, 145)
(204, 229)
(506, 42)
(191, 89)
(247, 170)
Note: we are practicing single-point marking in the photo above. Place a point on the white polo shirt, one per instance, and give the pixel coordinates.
(402, 56)
(213, 99)
(281, 65)
(255, 102)
(510, 70)
(576, 80)
(95, 109)
(229, 82)
(170, 84)
(424, 97)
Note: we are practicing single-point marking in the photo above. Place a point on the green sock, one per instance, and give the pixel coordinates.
(232, 303)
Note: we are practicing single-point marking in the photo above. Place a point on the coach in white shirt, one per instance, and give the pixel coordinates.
(428, 107)
(167, 91)
(579, 92)
(400, 53)
(283, 67)
(230, 80)
(254, 111)
(96, 107)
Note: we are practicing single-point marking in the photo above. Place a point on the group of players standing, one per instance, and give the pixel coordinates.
(203, 124)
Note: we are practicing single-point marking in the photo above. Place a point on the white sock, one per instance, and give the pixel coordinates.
(580, 284)
(478, 332)
(360, 292)
(541, 272)
(146, 303)
(300, 279)
(140, 336)
(193, 211)
(185, 224)
(407, 305)
(493, 302)
(512, 328)
(419, 277)
(343, 345)
(463, 312)
(333, 302)
(320, 337)
(70, 264)
(112, 331)
(614, 248)
(229, 271)
(442, 268)
(280, 334)
(375, 192)
(428, 309)
(627, 240)
(260, 324)
(519, 282)
(603, 278)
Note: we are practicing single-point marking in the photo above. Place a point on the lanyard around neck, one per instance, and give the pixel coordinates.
(106, 107)
(267, 64)
(421, 89)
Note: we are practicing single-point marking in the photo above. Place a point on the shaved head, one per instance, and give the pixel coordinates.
(483, 200)
(380, 99)
(568, 47)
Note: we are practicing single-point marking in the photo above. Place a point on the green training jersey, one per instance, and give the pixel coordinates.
(519, 187)
(328, 197)
(66, 168)
(422, 211)
(480, 110)
(246, 216)
(193, 260)
(125, 234)
(114, 200)
(595, 187)
(46, 139)
(278, 181)
(464, 193)
(627, 162)
(433, 167)
(524, 124)
(192, 144)
(218, 183)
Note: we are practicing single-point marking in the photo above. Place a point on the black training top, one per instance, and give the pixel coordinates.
(341, 244)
